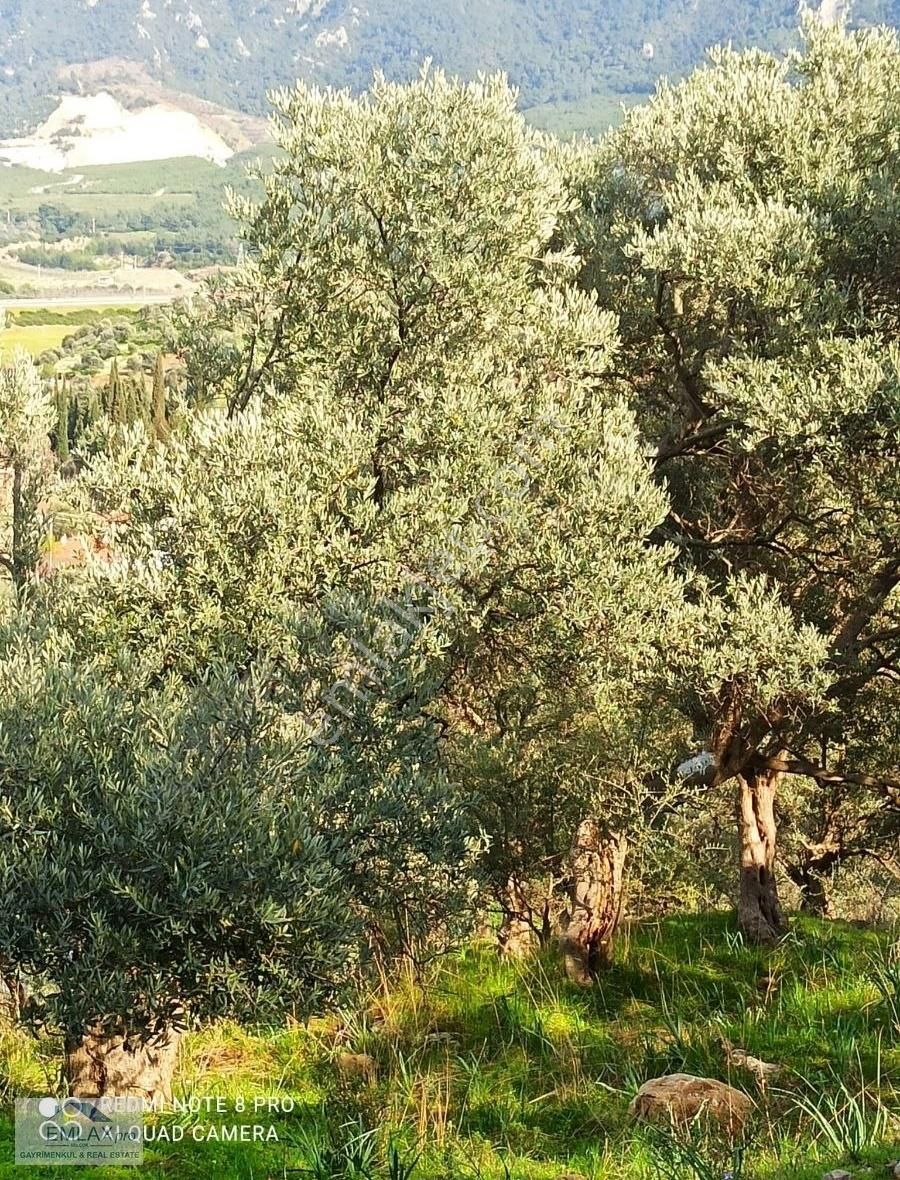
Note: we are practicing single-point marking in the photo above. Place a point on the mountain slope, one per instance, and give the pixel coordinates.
(232, 51)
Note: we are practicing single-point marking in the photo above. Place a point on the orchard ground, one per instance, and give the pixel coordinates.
(490, 1069)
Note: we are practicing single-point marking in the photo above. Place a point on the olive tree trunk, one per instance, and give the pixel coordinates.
(13, 995)
(517, 936)
(100, 1064)
(760, 916)
(529, 915)
(815, 897)
(596, 902)
(811, 879)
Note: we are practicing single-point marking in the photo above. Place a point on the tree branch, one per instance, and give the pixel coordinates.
(250, 383)
(867, 605)
(698, 442)
(888, 784)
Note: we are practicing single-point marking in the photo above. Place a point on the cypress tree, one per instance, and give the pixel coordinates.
(104, 396)
(126, 401)
(136, 401)
(158, 400)
(62, 423)
(91, 407)
(114, 395)
(143, 400)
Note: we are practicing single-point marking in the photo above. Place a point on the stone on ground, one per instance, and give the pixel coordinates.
(681, 1097)
(357, 1067)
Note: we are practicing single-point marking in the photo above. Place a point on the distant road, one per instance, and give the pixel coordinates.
(112, 300)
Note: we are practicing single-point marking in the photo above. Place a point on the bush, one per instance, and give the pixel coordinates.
(91, 362)
(56, 259)
(220, 895)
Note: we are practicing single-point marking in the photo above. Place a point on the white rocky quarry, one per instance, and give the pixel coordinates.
(97, 129)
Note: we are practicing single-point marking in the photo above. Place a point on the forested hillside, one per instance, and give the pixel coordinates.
(578, 58)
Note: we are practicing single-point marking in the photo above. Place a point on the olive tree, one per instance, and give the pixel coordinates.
(408, 486)
(27, 415)
(160, 859)
(402, 282)
(830, 824)
(744, 224)
(176, 844)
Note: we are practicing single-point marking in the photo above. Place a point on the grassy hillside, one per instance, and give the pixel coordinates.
(494, 1070)
(120, 188)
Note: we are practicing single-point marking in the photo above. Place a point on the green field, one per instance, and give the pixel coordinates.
(39, 328)
(123, 188)
(497, 1071)
(107, 189)
(32, 338)
(170, 206)
(590, 116)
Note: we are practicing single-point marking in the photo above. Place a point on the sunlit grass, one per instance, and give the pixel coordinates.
(503, 1070)
(33, 338)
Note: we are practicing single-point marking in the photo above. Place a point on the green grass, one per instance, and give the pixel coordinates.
(497, 1071)
(33, 338)
(40, 328)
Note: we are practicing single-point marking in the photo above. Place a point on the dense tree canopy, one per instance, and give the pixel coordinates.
(516, 498)
(744, 225)
(404, 503)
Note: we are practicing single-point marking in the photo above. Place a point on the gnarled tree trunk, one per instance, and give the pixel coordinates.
(101, 1064)
(814, 896)
(760, 916)
(810, 877)
(517, 936)
(598, 876)
(528, 915)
